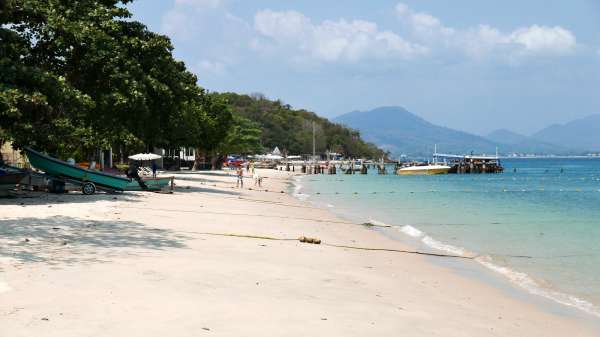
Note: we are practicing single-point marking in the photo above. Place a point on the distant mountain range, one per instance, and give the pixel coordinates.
(583, 134)
(402, 132)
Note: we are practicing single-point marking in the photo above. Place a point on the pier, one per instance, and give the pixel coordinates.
(472, 163)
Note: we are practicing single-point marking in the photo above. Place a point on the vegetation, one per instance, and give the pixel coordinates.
(78, 76)
(292, 130)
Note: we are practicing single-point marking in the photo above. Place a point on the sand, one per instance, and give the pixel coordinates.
(146, 264)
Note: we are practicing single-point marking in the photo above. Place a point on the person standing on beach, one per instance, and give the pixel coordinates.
(240, 177)
(154, 168)
(257, 178)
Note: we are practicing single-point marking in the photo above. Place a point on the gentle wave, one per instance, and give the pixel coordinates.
(521, 279)
(298, 188)
(410, 231)
(378, 223)
(518, 278)
(431, 242)
(526, 282)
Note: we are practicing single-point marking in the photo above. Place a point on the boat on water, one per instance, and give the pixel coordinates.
(429, 168)
(424, 169)
(90, 180)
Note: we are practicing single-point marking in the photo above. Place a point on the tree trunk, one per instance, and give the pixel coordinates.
(217, 161)
(198, 160)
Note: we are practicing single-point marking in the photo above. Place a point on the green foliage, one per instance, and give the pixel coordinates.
(291, 130)
(243, 138)
(80, 75)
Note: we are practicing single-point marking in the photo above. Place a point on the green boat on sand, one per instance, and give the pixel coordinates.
(90, 180)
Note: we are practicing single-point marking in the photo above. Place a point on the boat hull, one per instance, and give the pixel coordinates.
(423, 170)
(59, 168)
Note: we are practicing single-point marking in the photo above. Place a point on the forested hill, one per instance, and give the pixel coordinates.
(291, 130)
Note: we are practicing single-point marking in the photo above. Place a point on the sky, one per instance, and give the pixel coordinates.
(471, 65)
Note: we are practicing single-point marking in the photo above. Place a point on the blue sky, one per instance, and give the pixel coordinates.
(467, 64)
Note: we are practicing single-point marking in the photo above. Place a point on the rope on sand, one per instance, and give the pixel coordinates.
(316, 241)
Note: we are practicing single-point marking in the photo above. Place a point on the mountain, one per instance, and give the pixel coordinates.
(292, 129)
(511, 141)
(504, 136)
(402, 132)
(582, 134)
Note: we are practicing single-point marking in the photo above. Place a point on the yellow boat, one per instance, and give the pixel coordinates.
(424, 169)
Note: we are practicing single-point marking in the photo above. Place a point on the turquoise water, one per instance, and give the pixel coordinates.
(539, 226)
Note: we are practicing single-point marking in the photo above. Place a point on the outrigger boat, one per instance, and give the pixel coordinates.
(90, 180)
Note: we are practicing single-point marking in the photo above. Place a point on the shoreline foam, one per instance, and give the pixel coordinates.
(516, 278)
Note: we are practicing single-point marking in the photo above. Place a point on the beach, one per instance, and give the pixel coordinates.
(211, 259)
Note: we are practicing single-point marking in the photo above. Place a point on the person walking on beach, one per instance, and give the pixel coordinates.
(257, 178)
(240, 177)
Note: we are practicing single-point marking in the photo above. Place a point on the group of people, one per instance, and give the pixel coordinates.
(255, 175)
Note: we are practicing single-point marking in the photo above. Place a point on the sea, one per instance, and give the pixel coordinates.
(536, 225)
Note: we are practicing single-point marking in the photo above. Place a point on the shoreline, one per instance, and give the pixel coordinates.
(131, 254)
(519, 281)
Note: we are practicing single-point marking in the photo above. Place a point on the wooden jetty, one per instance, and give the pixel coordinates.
(472, 163)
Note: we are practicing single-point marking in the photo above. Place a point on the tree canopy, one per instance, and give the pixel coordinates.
(76, 76)
(83, 75)
(292, 130)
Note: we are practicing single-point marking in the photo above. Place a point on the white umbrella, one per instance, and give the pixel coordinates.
(145, 156)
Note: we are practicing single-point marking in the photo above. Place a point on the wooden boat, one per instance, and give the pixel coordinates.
(424, 169)
(90, 179)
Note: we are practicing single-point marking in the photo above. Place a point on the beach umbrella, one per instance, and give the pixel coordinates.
(145, 156)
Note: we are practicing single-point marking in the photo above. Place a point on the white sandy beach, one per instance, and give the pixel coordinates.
(144, 264)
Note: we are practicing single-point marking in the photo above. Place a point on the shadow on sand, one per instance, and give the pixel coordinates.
(44, 198)
(67, 240)
(193, 189)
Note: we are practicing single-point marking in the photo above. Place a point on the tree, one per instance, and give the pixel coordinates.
(214, 129)
(292, 129)
(81, 75)
(243, 137)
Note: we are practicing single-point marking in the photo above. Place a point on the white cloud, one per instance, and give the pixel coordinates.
(331, 41)
(479, 42)
(540, 38)
(200, 3)
(213, 67)
(214, 37)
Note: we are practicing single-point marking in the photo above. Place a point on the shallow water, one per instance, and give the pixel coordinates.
(538, 226)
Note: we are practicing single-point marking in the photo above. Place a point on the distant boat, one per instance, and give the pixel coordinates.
(424, 169)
